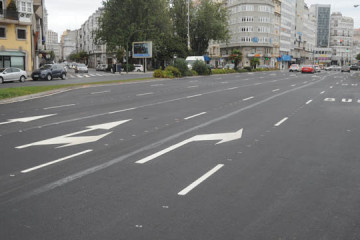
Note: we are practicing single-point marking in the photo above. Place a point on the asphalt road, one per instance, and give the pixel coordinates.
(72, 77)
(269, 155)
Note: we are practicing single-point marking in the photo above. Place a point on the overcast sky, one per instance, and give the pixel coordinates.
(71, 14)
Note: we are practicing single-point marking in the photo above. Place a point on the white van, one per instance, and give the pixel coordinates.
(191, 59)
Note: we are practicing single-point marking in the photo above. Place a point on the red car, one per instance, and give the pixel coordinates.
(308, 69)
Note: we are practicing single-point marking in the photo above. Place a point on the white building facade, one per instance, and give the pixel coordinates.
(86, 41)
(341, 39)
(252, 29)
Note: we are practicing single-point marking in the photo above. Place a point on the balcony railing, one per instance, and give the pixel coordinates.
(9, 14)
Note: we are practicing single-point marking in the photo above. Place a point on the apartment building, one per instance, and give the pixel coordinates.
(252, 29)
(52, 44)
(356, 44)
(341, 39)
(68, 43)
(86, 41)
(287, 31)
(16, 34)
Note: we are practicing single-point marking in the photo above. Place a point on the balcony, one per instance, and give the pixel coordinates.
(9, 14)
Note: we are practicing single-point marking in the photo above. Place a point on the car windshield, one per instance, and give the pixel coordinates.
(47, 66)
(2, 69)
(81, 65)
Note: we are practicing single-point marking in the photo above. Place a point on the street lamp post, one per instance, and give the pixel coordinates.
(188, 24)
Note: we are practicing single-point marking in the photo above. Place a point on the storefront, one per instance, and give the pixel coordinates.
(12, 59)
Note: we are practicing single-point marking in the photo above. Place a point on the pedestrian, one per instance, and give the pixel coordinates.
(119, 68)
(114, 68)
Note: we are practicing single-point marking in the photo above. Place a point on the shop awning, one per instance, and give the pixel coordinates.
(12, 53)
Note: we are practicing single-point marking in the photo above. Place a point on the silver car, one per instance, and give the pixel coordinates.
(81, 68)
(11, 74)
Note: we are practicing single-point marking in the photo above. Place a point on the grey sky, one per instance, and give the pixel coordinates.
(70, 14)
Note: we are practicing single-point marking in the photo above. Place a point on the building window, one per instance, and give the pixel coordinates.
(2, 32)
(21, 34)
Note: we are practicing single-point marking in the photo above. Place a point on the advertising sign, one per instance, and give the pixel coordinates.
(142, 49)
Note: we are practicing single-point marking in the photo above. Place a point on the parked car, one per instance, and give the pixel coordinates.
(333, 68)
(294, 68)
(12, 74)
(81, 68)
(138, 68)
(229, 66)
(101, 67)
(308, 69)
(317, 68)
(345, 69)
(73, 65)
(49, 71)
(355, 67)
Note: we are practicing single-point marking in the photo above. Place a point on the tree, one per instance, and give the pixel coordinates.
(358, 57)
(236, 57)
(210, 22)
(126, 21)
(254, 62)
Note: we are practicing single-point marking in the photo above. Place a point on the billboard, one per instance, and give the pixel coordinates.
(142, 49)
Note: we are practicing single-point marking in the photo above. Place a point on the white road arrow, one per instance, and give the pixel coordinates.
(26, 119)
(69, 140)
(224, 137)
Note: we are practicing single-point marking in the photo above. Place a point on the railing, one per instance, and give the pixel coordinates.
(9, 14)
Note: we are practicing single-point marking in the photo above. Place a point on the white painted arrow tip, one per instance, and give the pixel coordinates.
(232, 136)
(108, 126)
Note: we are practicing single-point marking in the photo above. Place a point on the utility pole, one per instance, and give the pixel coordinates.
(188, 24)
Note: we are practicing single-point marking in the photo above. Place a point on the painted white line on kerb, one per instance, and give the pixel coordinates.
(143, 94)
(232, 88)
(192, 86)
(308, 102)
(59, 106)
(281, 122)
(196, 115)
(197, 95)
(56, 161)
(99, 92)
(275, 90)
(200, 180)
(246, 99)
(322, 92)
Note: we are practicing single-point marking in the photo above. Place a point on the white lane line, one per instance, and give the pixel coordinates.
(322, 92)
(224, 82)
(143, 94)
(293, 85)
(275, 90)
(200, 180)
(68, 105)
(100, 75)
(305, 82)
(156, 85)
(331, 86)
(308, 102)
(56, 161)
(100, 92)
(196, 115)
(86, 75)
(123, 110)
(197, 95)
(92, 75)
(246, 99)
(79, 76)
(193, 86)
(232, 88)
(281, 122)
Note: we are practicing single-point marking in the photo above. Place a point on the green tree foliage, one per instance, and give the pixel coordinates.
(79, 57)
(358, 57)
(254, 62)
(208, 23)
(236, 57)
(126, 21)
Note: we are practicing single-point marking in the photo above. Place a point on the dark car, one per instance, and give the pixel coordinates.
(49, 71)
(355, 67)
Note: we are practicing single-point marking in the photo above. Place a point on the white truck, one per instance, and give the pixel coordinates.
(191, 59)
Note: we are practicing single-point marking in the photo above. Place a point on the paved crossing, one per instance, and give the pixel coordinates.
(87, 75)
